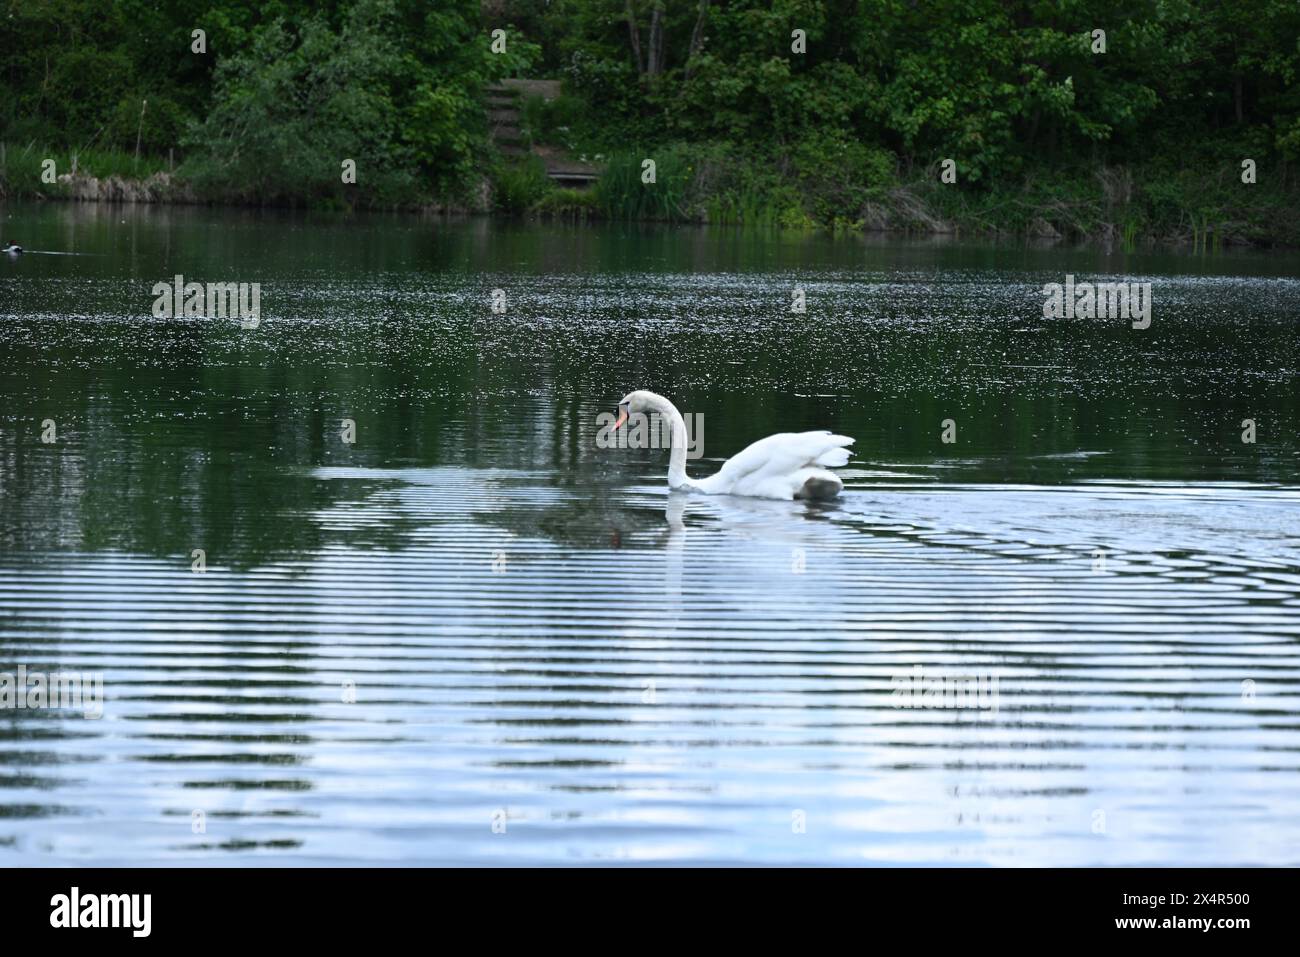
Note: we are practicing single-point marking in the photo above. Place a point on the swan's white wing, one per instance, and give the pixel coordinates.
(779, 457)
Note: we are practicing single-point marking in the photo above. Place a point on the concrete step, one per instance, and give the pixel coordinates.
(503, 105)
(573, 182)
(585, 175)
(546, 89)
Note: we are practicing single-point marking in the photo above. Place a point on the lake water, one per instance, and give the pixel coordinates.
(474, 637)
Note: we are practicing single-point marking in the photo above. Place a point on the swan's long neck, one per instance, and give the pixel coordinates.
(677, 453)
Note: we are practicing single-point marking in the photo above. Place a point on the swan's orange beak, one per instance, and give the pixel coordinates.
(622, 417)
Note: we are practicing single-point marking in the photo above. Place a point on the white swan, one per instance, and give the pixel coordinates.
(788, 465)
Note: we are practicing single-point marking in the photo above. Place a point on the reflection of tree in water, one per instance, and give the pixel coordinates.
(160, 458)
(581, 523)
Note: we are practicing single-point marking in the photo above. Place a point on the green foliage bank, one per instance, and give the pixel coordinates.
(1124, 119)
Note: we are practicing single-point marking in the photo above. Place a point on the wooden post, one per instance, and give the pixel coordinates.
(139, 128)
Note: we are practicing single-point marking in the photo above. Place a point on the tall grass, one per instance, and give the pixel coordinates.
(574, 204)
(21, 167)
(518, 185)
(621, 192)
(752, 205)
